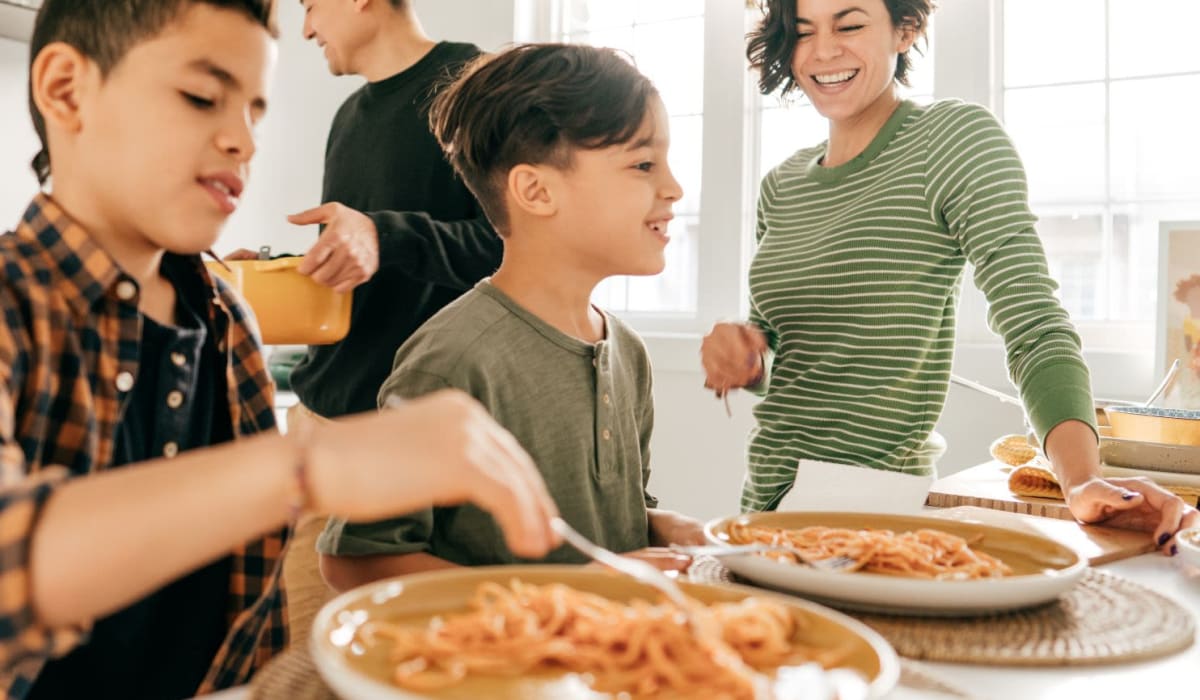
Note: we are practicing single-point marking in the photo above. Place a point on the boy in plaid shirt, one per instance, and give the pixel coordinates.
(117, 349)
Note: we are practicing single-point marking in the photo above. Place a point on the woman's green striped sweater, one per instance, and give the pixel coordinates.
(856, 280)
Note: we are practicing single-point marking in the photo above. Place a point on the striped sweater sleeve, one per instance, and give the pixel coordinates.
(977, 189)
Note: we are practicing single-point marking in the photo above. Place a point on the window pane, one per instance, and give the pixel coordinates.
(1075, 254)
(656, 10)
(586, 15)
(666, 40)
(687, 148)
(1053, 41)
(1152, 37)
(1059, 133)
(672, 55)
(786, 130)
(1155, 138)
(614, 38)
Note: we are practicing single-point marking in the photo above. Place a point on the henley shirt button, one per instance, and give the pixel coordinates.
(126, 290)
(178, 359)
(606, 400)
(607, 434)
(170, 449)
(124, 381)
(175, 399)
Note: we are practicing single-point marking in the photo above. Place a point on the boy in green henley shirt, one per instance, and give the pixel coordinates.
(565, 147)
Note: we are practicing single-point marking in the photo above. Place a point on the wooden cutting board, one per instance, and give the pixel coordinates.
(986, 486)
(1096, 544)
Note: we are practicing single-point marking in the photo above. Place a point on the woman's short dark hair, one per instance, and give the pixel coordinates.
(773, 40)
(533, 104)
(105, 30)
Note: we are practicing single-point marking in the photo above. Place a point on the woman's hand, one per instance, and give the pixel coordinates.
(732, 356)
(1133, 503)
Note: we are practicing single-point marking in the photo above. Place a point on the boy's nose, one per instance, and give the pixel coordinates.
(236, 138)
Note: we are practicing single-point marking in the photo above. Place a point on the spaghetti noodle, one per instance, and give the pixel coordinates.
(641, 648)
(923, 553)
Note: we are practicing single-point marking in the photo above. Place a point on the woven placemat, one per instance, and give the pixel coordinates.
(291, 676)
(1103, 619)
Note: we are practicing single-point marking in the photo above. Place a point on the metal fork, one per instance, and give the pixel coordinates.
(835, 563)
(635, 568)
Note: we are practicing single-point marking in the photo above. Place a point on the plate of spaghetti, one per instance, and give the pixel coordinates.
(901, 564)
(565, 632)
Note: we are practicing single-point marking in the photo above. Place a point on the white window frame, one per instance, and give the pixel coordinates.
(968, 65)
(970, 69)
(724, 208)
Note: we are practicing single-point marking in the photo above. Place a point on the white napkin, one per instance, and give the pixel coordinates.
(842, 487)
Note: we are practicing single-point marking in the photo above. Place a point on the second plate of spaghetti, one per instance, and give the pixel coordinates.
(903, 564)
(562, 632)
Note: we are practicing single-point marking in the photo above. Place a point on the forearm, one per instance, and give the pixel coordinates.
(344, 573)
(107, 540)
(1073, 453)
(454, 254)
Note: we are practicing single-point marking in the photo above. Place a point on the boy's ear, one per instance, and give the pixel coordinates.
(530, 188)
(58, 78)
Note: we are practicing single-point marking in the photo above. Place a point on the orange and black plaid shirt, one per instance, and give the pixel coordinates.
(68, 352)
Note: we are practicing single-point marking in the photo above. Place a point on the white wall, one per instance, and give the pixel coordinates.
(18, 142)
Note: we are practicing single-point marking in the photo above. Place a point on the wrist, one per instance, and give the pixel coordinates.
(299, 473)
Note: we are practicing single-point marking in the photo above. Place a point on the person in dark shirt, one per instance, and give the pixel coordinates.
(399, 228)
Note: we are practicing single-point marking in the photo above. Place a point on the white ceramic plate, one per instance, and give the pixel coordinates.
(1042, 568)
(352, 671)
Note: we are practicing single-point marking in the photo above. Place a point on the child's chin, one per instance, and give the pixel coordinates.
(193, 244)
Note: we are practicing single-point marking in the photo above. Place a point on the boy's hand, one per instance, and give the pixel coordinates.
(347, 252)
(731, 355)
(440, 449)
(668, 527)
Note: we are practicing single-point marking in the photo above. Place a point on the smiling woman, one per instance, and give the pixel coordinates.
(862, 244)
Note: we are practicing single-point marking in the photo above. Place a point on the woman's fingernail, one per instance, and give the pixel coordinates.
(1129, 495)
(1162, 539)
(1174, 550)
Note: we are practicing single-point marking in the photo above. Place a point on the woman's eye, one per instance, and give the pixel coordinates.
(851, 28)
(801, 36)
(198, 102)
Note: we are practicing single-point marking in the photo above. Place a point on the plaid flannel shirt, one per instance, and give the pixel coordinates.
(68, 348)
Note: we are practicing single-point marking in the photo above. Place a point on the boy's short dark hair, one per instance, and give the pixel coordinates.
(774, 40)
(533, 104)
(105, 30)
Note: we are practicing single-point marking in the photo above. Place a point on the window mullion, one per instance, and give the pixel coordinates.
(722, 178)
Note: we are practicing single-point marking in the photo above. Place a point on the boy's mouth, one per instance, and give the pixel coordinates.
(659, 227)
(225, 189)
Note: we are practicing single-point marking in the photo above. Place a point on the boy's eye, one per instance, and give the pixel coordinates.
(197, 101)
(645, 166)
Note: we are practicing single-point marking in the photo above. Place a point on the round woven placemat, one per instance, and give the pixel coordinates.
(1103, 619)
